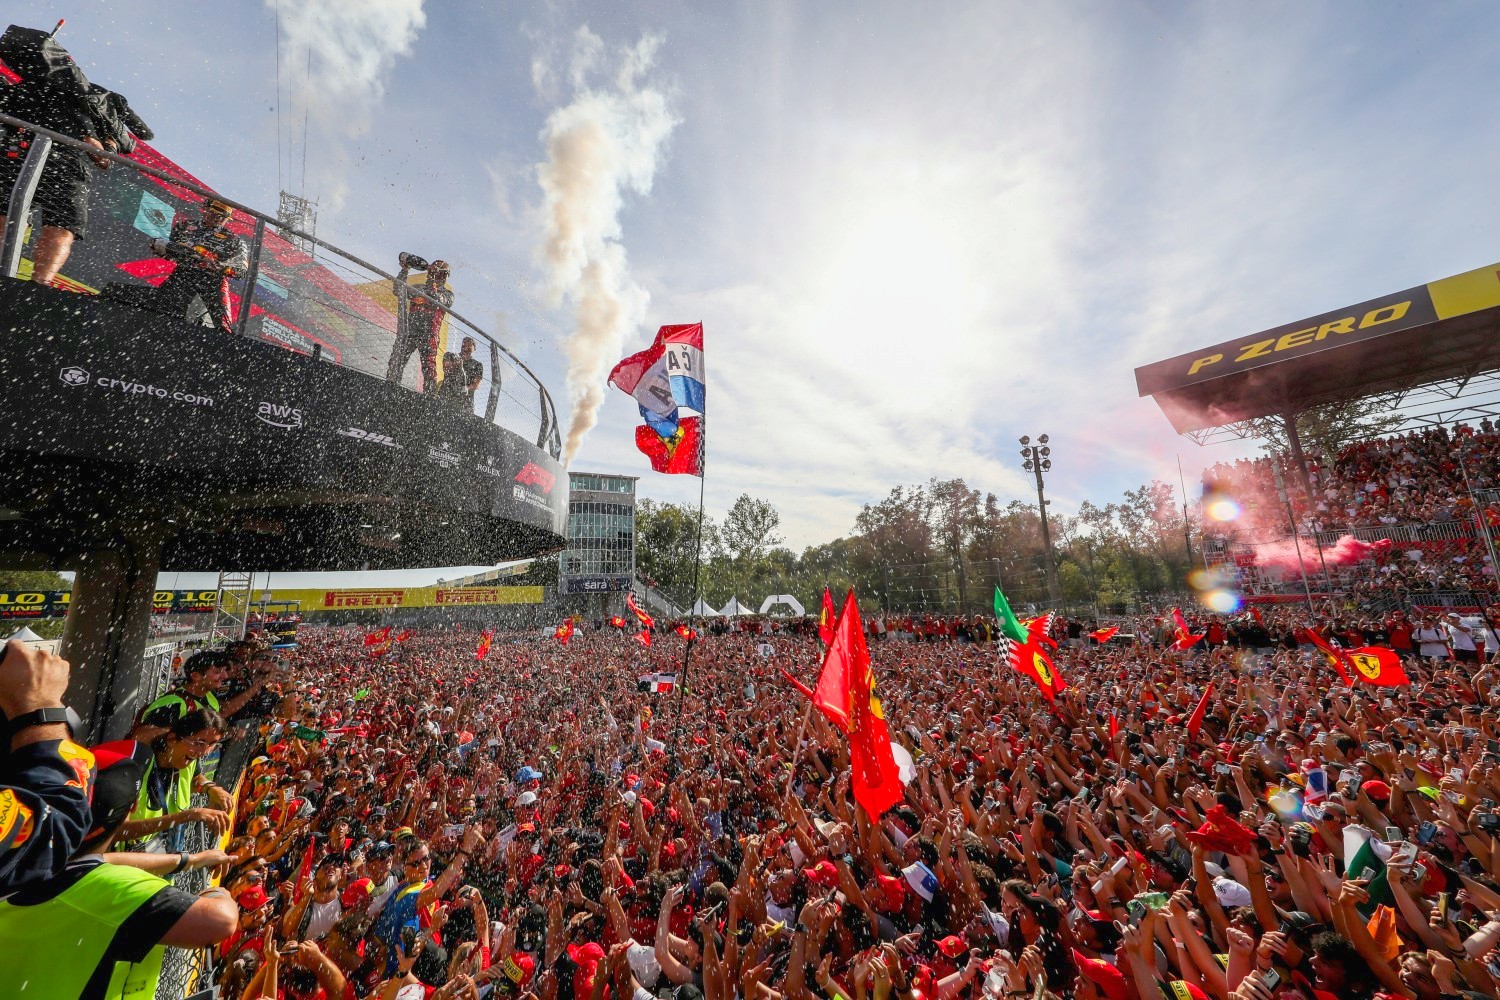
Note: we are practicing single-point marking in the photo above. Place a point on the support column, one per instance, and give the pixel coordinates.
(105, 635)
(1299, 458)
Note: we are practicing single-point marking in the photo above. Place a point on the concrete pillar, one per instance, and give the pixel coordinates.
(106, 631)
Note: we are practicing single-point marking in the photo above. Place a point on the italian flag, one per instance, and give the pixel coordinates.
(1365, 857)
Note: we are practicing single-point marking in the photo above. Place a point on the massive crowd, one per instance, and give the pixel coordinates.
(427, 824)
(1431, 482)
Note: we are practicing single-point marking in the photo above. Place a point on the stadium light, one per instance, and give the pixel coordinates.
(1035, 460)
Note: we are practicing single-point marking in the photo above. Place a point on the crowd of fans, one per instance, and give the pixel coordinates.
(1424, 481)
(424, 823)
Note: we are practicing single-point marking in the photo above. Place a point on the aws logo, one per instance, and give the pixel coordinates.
(1309, 335)
(279, 415)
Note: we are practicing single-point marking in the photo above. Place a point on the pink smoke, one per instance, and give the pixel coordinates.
(1345, 552)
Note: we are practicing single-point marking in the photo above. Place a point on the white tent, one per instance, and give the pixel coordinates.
(778, 599)
(734, 607)
(25, 635)
(702, 610)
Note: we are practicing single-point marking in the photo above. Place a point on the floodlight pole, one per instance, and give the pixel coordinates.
(1034, 459)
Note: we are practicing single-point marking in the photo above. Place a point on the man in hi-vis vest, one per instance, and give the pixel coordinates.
(99, 927)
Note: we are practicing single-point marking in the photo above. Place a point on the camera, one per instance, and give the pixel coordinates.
(412, 262)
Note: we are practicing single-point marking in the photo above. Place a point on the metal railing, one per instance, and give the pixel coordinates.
(1436, 531)
(332, 306)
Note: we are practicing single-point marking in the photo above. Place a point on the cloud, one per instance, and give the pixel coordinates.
(336, 56)
(605, 144)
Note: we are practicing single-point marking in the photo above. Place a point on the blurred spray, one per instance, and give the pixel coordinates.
(337, 56)
(606, 143)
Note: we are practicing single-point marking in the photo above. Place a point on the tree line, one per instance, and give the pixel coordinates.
(941, 546)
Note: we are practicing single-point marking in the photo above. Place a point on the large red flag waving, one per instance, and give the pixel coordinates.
(826, 618)
(1031, 659)
(1182, 637)
(1336, 657)
(846, 696)
(1195, 721)
(1104, 634)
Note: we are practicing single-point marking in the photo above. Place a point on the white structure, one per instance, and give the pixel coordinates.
(776, 599)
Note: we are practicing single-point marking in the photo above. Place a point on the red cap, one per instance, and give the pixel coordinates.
(519, 968)
(1110, 980)
(561, 871)
(356, 893)
(822, 873)
(1181, 990)
(952, 946)
(252, 898)
(586, 954)
(1376, 789)
(892, 893)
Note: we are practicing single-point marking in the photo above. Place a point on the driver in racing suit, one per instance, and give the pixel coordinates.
(207, 256)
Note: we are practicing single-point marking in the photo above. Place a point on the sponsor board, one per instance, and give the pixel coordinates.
(406, 597)
(596, 584)
(76, 376)
(443, 456)
(38, 604)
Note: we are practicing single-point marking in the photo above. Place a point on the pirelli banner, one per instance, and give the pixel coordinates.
(406, 597)
(1437, 301)
(34, 605)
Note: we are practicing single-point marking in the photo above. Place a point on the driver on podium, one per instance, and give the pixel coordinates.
(207, 256)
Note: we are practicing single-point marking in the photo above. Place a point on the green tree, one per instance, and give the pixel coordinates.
(1329, 428)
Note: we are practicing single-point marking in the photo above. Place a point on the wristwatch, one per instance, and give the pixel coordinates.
(45, 717)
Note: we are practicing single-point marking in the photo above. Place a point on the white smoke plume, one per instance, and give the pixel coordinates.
(606, 143)
(335, 57)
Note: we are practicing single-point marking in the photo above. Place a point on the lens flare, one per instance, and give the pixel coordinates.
(1221, 508)
(1221, 600)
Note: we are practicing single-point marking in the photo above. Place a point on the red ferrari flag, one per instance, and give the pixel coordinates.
(1381, 667)
(826, 619)
(564, 631)
(1041, 630)
(1030, 659)
(794, 682)
(686, 633)
(1104, 634)
(403, 635)
(646, 620)
(846, 696)
(679, 453)
(1182, 637)
(617, 622)
(644, 638)
(379, 637)
(1337, 658)
(1195, 721)
(485, 639)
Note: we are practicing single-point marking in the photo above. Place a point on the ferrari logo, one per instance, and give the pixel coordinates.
(1367, 665)
(1042, 668)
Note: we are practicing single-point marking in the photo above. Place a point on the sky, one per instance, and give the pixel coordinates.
(913, 233)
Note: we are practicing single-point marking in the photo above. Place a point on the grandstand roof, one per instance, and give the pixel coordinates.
(1444, 329)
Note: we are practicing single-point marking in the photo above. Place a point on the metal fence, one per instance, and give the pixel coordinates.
(322, 302)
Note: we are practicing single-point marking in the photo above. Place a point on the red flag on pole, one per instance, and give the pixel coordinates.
(1114, 726)
(1030, 659)
(1378, 666)
(483, 650)
(378, 637)
(846, 696)
(646, 620)
(1040, 630)
(826, 618)
(403, 635)
(1336, 657)
(644, 638)
(1195, 721)
(794, 682)
(564, 631)
(1183, 638)
(1104, 634)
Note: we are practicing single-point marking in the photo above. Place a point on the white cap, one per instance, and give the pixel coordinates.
(1231, 893)
(526, 799)
(643, 964)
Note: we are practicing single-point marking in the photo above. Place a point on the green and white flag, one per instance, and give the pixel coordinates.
(1010, 627)
(1365, 856)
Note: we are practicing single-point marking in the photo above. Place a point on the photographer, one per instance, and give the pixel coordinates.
(207, 255)
(44, 809)
(53, 93)
(419, 318)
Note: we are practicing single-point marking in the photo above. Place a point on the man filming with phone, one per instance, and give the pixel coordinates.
(419, 317)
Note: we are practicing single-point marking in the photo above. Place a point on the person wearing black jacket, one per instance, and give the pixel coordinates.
(44, 86)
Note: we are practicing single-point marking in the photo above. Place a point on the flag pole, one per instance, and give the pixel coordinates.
(687, 653)
(797, 749)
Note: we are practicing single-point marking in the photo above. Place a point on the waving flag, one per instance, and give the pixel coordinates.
(1104, 634)
(1028, 658)
(1182, 637)
(826, 618)
(403, 635)
(617, 622)
(679, 453)
(846, 696)
(1195, 721)
(485, 639)
(656, 683)
(686, 633)
(644, 638)
(1040, 630)
(667, 375)
(1336, 657)
(379, 637)
(646, 620)
(1009, 626)
(1371, 664)
(564, 631)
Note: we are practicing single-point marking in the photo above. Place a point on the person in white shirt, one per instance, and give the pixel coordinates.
(1431, 639)
(1460, 639)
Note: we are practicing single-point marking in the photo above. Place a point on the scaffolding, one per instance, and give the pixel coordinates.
(232, 607)
(298, 218)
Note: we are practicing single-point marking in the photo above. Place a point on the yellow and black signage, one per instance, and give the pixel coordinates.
(38, 604)
(1414, 307)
